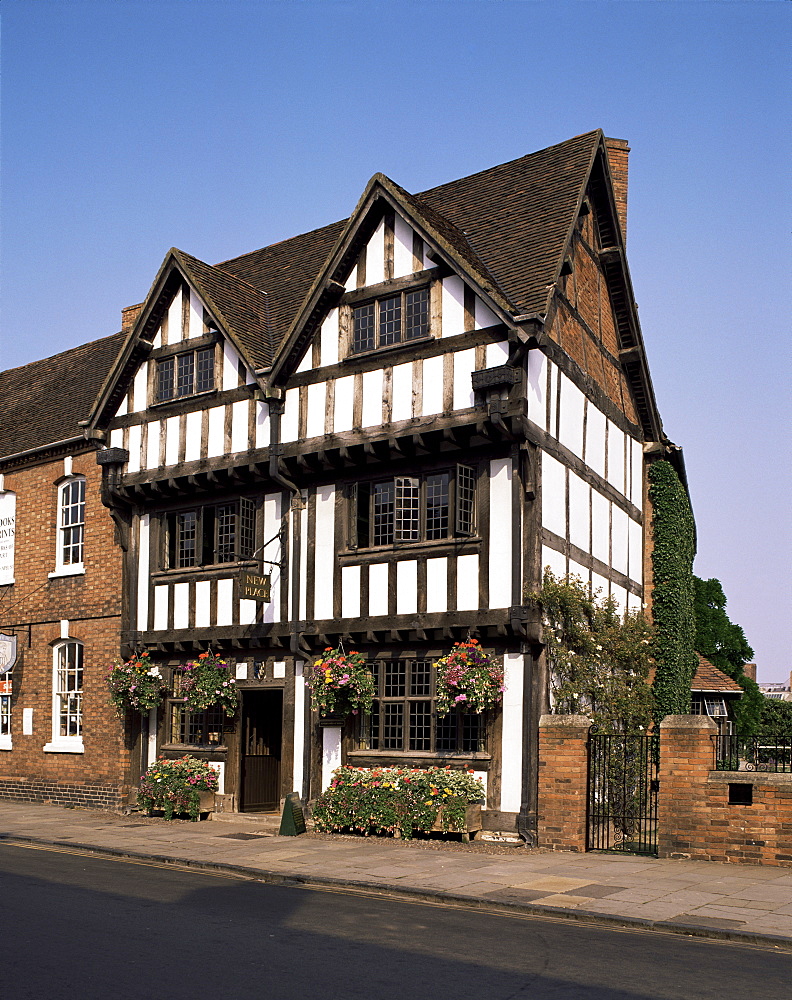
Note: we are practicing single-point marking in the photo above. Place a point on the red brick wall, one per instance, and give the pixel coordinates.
(32, 608)
(563, 778)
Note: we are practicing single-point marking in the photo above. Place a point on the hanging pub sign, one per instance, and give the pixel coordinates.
(8, 653)
(254, 587)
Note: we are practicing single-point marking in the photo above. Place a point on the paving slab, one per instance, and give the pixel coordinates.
(711, 899)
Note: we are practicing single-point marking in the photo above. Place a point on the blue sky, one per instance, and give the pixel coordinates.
(220, 127)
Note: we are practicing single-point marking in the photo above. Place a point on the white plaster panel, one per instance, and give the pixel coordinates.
(402, 248)
(554, 561)
(240, 440)
(247, 612)
(230, 366)
(432, 386)
(272, 552)
(344, 403)
(329, 338)
(181, 605)
(203, 603)
(378, 589)
(331, 753)
(402, 387)
(619, 522)
(464, 366)
(317, 405)
(351, 282)
(133, 465)
(615, 457)
(219, 766)
(140, 389)
(161, 607)
(634, 602)
(512, 730)
(600, 527)
(619, 594)
(595, 439)
(117, 437)
(453, 306)
(375, 256)
(468, 582)
(350, 592)
(157, 341)
(483, 315)
(372, 398)
(325, 552)
(552, 428)
(143, 573)
(290, 421)
(635, 551)
(581, 572)
(407, 587)
(299, 726)
(571, 422)
(536, 390)
(279, 668)
(436, 585)
(172, 441)
(303, 516)
(123, 406)
(151, 749)
(241, 672)
(196, 315)
(601, 584)
(636, 489)
(497, 354)
(153, 444)
(175, 319)
(579, 512)
(306, 363)
(500, 519)
(553, 495)
(216, 440)
(192, 436)
(262, 425)
(225, 602)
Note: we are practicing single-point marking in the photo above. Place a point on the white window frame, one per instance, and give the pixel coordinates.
(65, 527)
(62, 670)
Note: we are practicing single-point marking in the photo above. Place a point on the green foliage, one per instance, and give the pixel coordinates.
(133, 686)
(599, 661)
(207, 681)
(724, 644)
(673, 610)
(776, 719)
(469, 678)
(175, 785)
(387, 799)
(340, 682)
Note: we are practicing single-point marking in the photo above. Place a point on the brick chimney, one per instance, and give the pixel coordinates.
(749, 669)
(618, 156)
(129, 315)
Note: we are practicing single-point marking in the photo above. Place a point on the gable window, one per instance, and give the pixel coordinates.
(67, 695)
(391, 320)
(71, 526)
(403, 716)
(205, 536)
(414, 508)
(185, 374)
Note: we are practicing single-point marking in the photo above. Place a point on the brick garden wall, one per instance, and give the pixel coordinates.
(563, 778)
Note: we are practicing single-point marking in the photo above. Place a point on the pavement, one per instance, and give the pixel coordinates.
(744, 903)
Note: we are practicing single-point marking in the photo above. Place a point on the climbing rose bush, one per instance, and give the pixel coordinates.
(468, 678)
(340, 682)
(176, 786)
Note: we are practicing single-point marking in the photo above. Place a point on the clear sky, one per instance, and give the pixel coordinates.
(220, 126)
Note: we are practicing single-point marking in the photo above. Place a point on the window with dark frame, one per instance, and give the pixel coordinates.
(404, 719)
(185, 374)
(391, 320)
(209, 535)
(199, 729)
(414, 508)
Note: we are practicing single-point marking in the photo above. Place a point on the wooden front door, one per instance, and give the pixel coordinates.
(262, 723)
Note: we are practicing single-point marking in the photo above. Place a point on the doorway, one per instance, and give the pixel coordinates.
(262, 728)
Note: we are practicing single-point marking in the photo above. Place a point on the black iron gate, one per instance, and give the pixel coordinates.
(622, 793)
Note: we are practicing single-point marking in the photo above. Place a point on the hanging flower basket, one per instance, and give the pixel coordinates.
(134, 686)
(207, 681)
(468, 678)
(340, 683)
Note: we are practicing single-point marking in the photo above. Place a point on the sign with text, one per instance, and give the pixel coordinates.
(254, 587)
(8, 652)
(7, 535)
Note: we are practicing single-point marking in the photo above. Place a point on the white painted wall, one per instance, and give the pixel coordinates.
(375, 256)
(230, 366)
(262, 425)
(497, 354)
(579, 512)
(299, 725)
(153, 446)
(325, 552)
(483, 315)
(378, 589)
(619, 521)
(464, 366)
(344, 403)
(172, 441)
(161, 607)
(140, 389)
(453, 306)
(181, 605)
(291, 416)
(402, 248)
(571, 417)
(595, 439)
(143, 572)
(432, 386)
(600, 527)
(553, 495)
(402, 389)
(350, 592)
(203, 603)
(407, 587)
(615, 457)
(500, 486)
(331, 753)
(512, 738)
(468, 582)
(240, 439)
(225, 602)
(635, 551)
(317, 406)
(272, 551)
(556, 561)
(436, 585)
(537, 388)
(192, 449)
(329, 338)
(133, 465)
(372, 398)
(216, 441)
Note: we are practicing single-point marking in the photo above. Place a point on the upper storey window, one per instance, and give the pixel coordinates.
(71, 525)
(391, 320)
(204, 536)
(185, 374)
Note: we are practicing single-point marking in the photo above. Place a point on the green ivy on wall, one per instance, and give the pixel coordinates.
(673, 596)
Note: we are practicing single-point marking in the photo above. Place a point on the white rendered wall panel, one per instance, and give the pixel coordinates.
(350, 592)
(552, 428)
(453, 306)
(161, 607)
(553, 495)
(299, 726)
(317, 406)
(378, 589)
(375, 256)
(571, 422)
(483, 315)
(581, 572)
(306, 363)
(325, 552)
(554, 561)
(497, 354)
(635, 550)
(615, 457)
(143, 573)
(192, 434)
(372, 398)
(619, 594)
(123, 406)
(600, 527)
(203, 604)
(595, 439)
(196, 325)
(402, 248)
(407, 587)
(153, 444)
(601, 584)
(303, 609)
(181, 605)
(247, 612)
(290, 421)
(579, 512)
(225, 602)
(500, 519)
(240, 440)
(402, 388)
(230, 366)
(432, 386)
(636, 489)
(464, 366)
(273, 552)
(172, 441)
(537, 388)
(117, 437)
(262, 425)
(329, 338)
(512, 733)
(140, 389)
(133, 465)
(344, 404)
(331, 753)
(437, 585)
(216, 441)
(175, 319)
(619, 543)
(468, 582)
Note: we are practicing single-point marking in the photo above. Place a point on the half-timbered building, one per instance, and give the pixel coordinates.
(377, 434)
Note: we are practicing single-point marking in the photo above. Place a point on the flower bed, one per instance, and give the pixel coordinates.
(397, 800)
(133, 686)
(468, 678)
(340, 683)
(175, 785)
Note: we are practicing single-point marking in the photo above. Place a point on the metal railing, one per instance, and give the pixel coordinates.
(753, 753)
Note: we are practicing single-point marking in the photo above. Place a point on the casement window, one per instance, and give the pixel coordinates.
(67, 697)
(198, 729)
(403, 717)
(71, 526)
(414, 508)
(390, 320)
(205, 536)
(185, 374)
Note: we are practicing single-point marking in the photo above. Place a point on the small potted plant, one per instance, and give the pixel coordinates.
(340, 683)
(135, 686)
(468, 678)
(177, 786)
(207, 681)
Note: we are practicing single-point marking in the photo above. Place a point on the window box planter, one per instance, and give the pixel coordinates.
(472, 822)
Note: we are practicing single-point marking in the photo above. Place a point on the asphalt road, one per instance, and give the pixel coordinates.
(77, 926)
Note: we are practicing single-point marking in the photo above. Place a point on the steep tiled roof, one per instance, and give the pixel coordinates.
(43, 401)
(709, 678)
